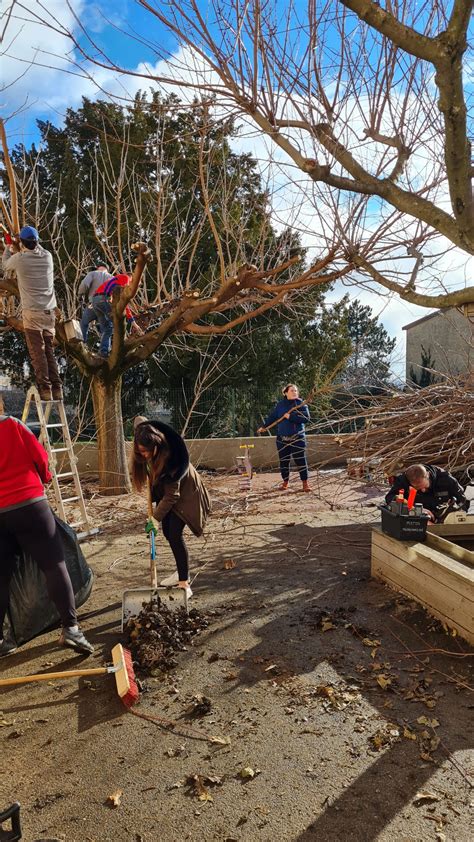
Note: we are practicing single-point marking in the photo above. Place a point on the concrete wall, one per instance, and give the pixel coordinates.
(450, 338)
(221, 453)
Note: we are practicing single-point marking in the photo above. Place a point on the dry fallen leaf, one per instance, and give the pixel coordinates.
(327, 625)
(220, 741)
(383, 681)
(367, 641)
(114, 800)
(248, 772)
(229, 564)
(423, 797)
(409, 735)
(423, 720)
(200, 790)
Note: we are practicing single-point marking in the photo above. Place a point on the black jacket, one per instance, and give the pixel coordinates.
(180, 488)
(443, 488)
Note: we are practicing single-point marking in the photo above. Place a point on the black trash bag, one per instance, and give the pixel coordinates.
(31, 612)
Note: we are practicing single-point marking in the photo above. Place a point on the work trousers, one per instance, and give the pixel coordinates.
(39, 334)
(173, 531)
(103, 311)
(33, 530)
(88, 316)
(296, 449)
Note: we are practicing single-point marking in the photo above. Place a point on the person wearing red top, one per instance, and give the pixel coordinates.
(103, 310)
(27, 525)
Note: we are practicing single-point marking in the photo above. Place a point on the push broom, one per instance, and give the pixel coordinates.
(122, 668)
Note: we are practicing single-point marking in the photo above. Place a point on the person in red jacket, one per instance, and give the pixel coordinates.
(27, 524)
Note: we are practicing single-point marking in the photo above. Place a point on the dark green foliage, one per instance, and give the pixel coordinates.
(369, 363)
(423, 376)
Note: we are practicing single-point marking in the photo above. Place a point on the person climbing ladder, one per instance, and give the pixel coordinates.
(33, 266)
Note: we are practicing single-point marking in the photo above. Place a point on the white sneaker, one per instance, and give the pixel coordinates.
(170, 580)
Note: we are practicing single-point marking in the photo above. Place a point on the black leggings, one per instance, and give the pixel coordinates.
(173, 531)
(33, 530)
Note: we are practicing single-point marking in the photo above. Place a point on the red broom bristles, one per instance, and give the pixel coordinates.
(131, 697)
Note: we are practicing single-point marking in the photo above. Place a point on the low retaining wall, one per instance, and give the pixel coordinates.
(215, 454)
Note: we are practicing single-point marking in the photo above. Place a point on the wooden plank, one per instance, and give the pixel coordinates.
(449, 606)
(450, 548)
(456, 624)
(455, 600)
(447, 571)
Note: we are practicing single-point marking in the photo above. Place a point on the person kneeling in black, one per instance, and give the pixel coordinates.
(435, 487)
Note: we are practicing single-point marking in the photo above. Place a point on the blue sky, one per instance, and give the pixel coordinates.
(32, 68)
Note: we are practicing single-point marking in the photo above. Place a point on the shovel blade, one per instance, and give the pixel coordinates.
(132, 602)
(133, 599)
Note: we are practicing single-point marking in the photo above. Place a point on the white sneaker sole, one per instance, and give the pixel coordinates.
(170, 581)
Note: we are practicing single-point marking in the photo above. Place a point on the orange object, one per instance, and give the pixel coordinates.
(411, 498)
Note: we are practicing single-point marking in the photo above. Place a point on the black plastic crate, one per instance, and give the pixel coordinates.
(404, 527)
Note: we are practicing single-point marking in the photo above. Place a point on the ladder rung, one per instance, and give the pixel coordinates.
(66, 474)
(50, 426)
(70, 499)
(77, 523)
(59, 449)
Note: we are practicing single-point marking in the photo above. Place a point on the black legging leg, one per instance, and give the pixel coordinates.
(33, 529)
(173, 528)
(8, 550)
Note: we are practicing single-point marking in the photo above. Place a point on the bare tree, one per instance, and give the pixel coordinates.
(364, 99)
(236, 292)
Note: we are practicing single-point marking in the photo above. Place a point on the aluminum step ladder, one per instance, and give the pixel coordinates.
(67, 462)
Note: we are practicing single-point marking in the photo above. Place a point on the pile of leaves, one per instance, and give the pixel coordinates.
(159, 632)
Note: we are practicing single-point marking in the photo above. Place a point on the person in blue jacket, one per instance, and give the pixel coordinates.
(291, 438)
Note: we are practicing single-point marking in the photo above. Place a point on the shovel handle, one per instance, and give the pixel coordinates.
(48, 676)
(153, 576)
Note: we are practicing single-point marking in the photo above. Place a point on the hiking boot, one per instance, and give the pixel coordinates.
(45, 394)
(76, 640)
(7, 647)
(57, 394)
(170, 581)
(306, 485)
(283, 486)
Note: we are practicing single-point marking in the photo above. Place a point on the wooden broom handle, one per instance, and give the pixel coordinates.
(48, 676)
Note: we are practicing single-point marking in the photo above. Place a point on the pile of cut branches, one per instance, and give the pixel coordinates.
(434, 425)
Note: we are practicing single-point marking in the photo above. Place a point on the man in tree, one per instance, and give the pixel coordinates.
(88, 287)
(103, 311)
(33, 266)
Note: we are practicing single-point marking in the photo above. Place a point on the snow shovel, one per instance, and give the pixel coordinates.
(133, 599)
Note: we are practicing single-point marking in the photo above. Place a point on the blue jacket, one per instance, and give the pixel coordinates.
(294, 425)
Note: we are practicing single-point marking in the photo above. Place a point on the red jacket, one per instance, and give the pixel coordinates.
(107, 287)
(23, 463)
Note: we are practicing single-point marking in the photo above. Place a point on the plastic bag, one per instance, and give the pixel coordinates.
(31, 611)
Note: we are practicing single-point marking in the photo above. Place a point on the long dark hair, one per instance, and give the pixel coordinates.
(154, 441)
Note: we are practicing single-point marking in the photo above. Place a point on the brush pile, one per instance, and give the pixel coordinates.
(159, 632)
(434, 425)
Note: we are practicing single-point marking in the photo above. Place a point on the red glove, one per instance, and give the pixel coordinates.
(8, 239)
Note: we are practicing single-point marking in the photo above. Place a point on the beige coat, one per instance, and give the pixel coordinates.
(188, 497)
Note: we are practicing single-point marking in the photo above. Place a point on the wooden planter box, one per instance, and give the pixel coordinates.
(438, 574)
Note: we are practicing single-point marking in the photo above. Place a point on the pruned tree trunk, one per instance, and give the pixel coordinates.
(114, 476)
